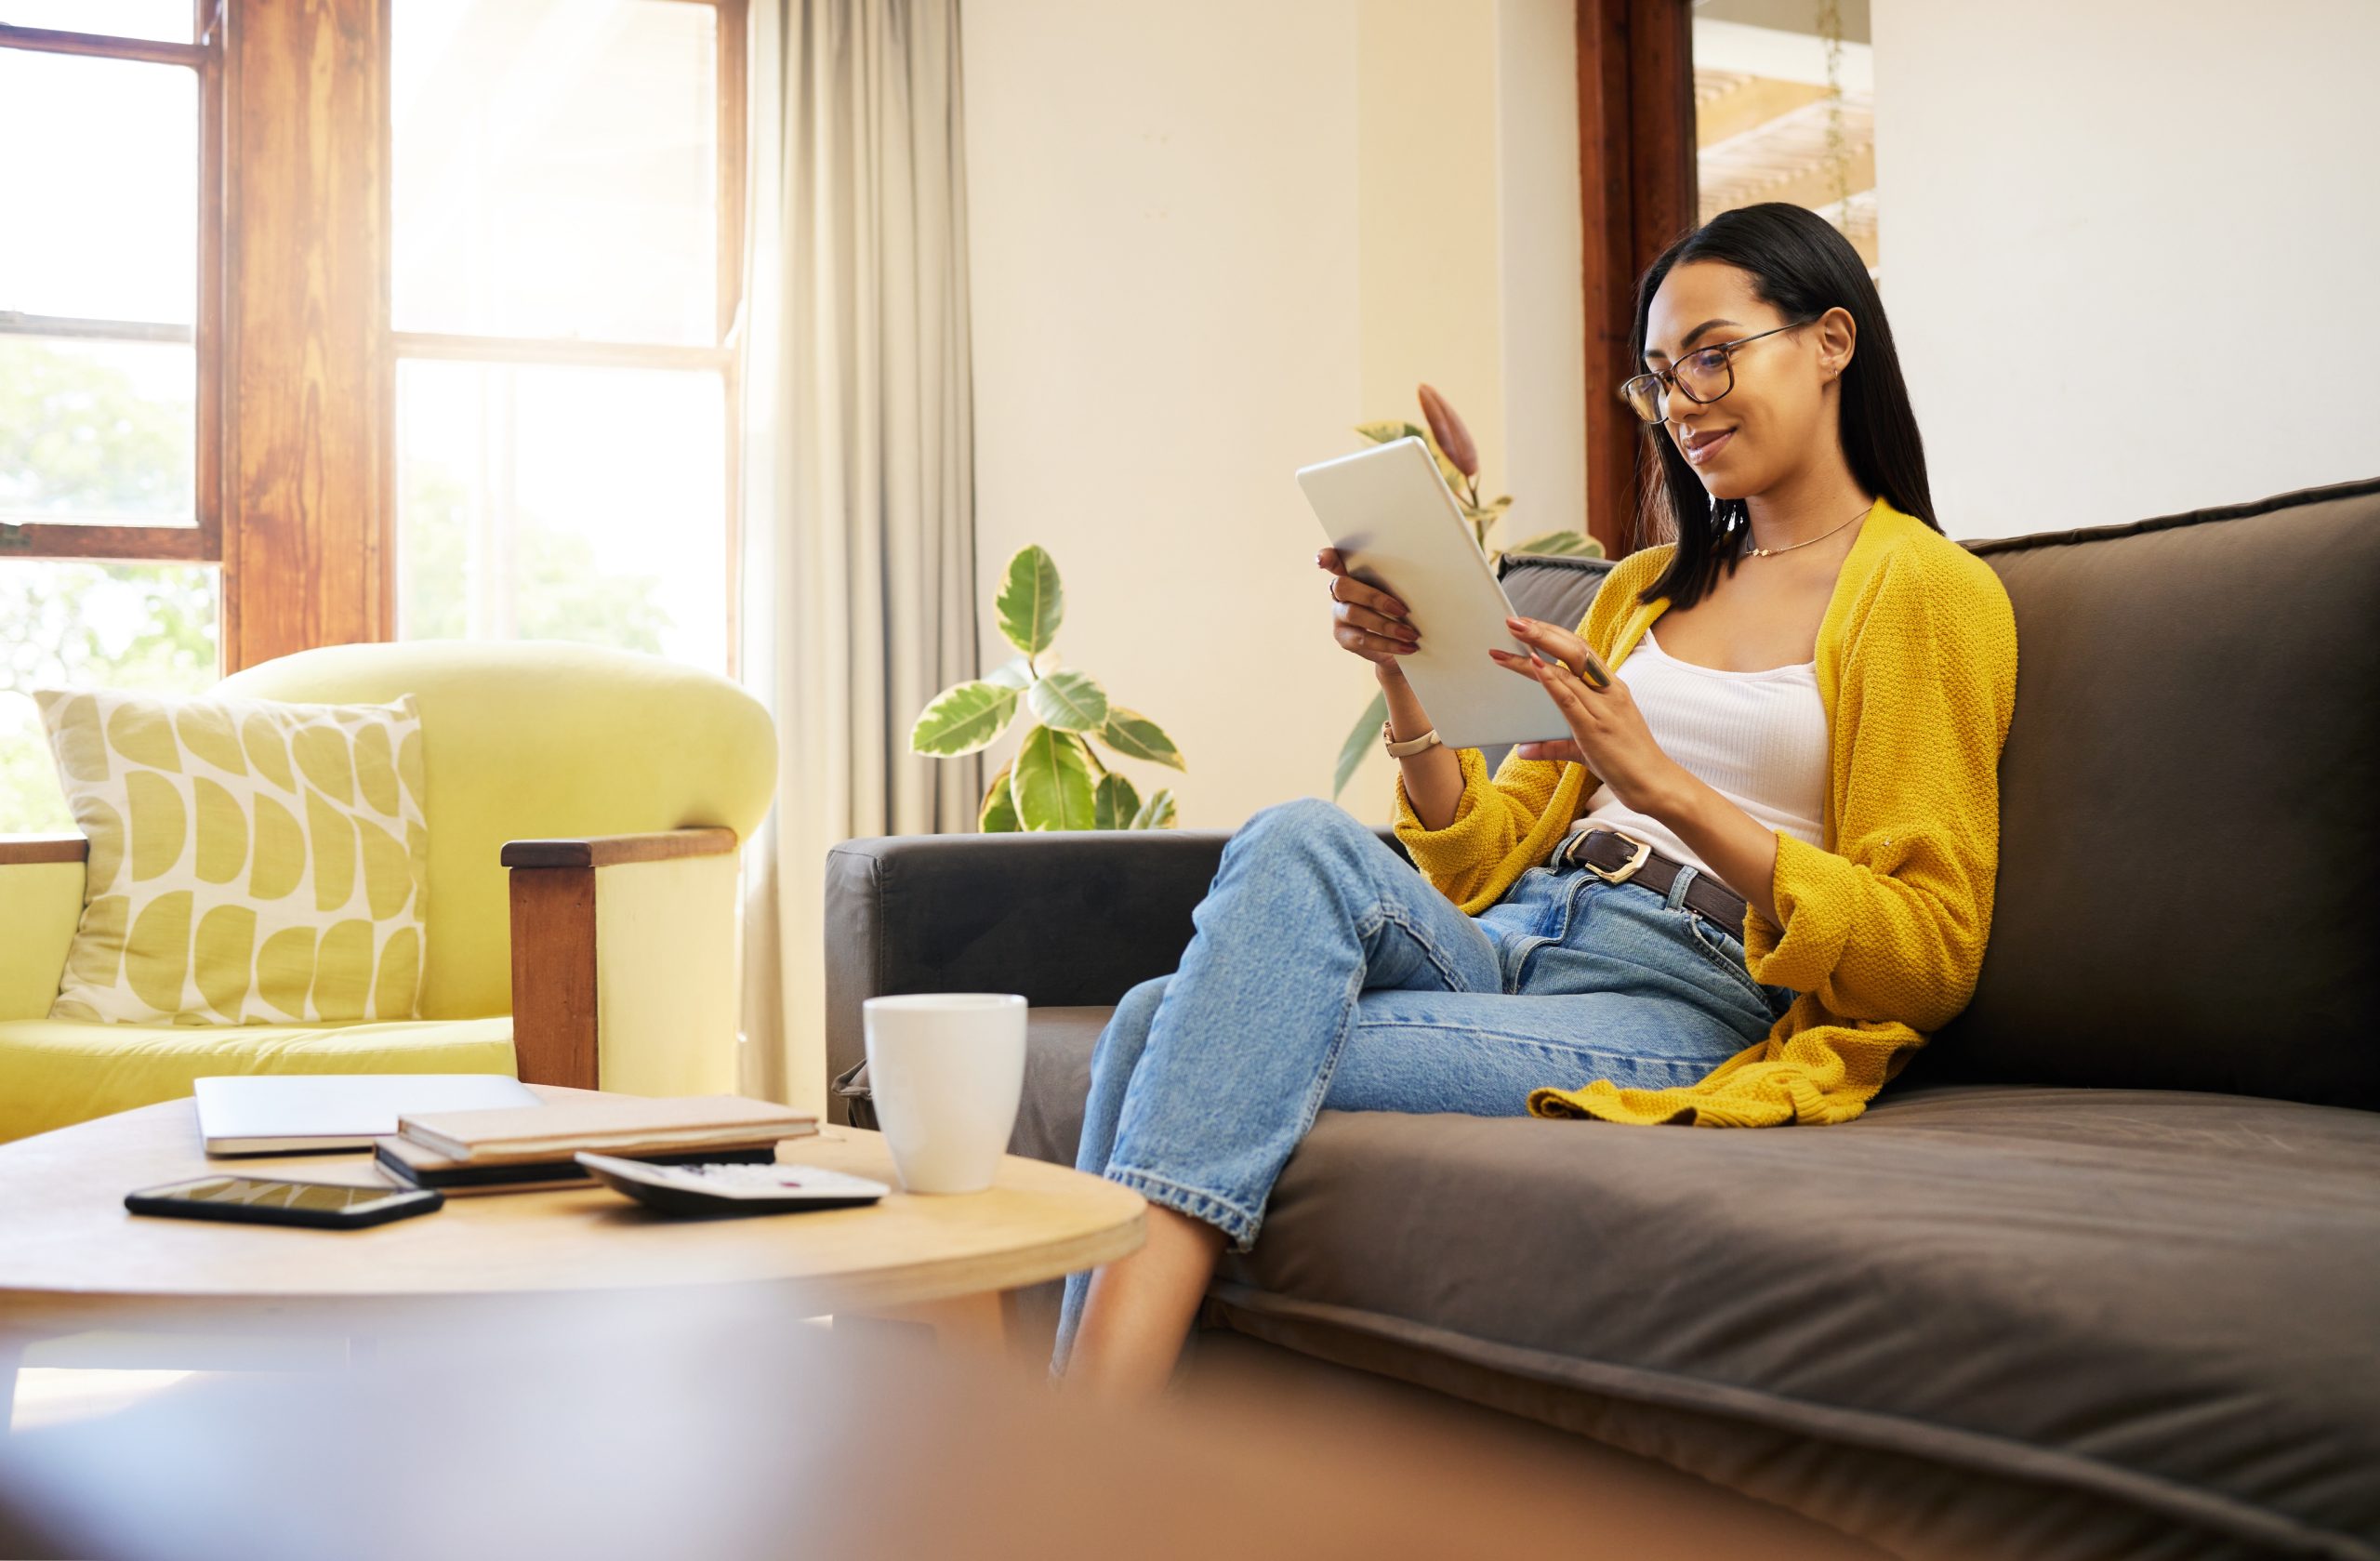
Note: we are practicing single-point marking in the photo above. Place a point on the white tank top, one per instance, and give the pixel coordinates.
(1759, 739)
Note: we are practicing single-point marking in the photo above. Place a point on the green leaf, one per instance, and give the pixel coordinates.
(1030, 602)
(1050, 781)
(1069, 701)
(1157, 812)
(1359, 742)
(1561, 544)
(963, 719)
(1115, 802)
(997, 814)
(1016, 673)
(1136, 736)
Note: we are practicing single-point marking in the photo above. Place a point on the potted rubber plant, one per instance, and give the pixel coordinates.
(1056, 780)
(1449, 440)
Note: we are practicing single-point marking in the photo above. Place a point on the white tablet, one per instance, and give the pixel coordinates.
(1397, 526)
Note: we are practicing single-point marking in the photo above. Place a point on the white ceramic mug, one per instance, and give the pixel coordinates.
(946, 1070)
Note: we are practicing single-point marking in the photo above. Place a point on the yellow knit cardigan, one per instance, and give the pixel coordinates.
(1884, 926)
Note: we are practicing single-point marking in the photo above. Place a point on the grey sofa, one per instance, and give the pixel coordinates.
(2098, 1274)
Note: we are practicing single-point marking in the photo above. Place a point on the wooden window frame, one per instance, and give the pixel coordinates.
(201, 542)
(1637, 194)
(724, 356)
(294, 467)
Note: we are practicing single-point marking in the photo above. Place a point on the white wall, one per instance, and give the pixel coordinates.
(1543, 322)
(1205, 241)
(2120, 239)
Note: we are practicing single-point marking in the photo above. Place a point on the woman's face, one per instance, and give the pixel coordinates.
(1783, 405)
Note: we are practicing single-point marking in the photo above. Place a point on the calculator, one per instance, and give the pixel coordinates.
(731, 1189)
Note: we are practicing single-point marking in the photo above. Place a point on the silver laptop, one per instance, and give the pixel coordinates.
(283, 1114)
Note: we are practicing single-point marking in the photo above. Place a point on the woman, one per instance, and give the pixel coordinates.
(1759, 870)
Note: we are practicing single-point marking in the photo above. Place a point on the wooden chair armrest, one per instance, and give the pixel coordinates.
(610, 851)
(555, 963)
(24, 850)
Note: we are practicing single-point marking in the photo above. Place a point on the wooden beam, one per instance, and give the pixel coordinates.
(307, 306)
(1749, 105)
(610, 851)
(45, 40)
(733, 94)
(142, 544)
(1637, 179)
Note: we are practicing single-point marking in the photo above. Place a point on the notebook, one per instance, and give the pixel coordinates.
(282, 1114)
(628, 1126)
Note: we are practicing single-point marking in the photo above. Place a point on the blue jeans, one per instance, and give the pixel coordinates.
(1326, 971)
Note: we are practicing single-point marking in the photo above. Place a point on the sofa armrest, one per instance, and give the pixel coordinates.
(41, 904)
(624, 961)
(1068, 918)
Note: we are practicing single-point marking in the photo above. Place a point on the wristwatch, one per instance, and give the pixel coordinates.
(1429, 739)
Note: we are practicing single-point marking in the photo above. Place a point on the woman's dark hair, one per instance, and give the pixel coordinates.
(1799, 264)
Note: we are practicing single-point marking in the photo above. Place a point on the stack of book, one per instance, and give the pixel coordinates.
(530, 1148)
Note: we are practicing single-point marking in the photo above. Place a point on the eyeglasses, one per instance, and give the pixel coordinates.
(1702, 376)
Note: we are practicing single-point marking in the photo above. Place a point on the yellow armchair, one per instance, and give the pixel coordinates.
(584, 809)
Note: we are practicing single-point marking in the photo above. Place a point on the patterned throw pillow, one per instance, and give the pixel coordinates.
(251, 863)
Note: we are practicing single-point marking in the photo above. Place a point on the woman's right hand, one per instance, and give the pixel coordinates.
(1366, 621)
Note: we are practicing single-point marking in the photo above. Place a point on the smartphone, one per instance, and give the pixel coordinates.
(254, 1199)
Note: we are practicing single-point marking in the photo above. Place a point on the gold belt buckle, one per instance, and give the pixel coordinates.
(1627, 870)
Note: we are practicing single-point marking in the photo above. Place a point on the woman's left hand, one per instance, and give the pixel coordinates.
(1607, 730)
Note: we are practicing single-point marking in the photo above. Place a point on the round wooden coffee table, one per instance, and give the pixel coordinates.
(71, 1260)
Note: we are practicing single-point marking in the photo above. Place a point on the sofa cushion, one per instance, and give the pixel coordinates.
(56, 1072)
(2166, 1298)
(1057, 1047)
(2218, 665)
(2068, 1289)
(251, 861)
(2188, 836)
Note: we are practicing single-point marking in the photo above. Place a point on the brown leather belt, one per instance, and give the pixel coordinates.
(1615, 858)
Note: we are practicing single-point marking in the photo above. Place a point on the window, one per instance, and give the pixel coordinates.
(1787, 113)
(567, 244)
(148, 626)
(548, 195)
(108, 415)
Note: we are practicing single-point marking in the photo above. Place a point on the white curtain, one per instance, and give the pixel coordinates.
(859, 515)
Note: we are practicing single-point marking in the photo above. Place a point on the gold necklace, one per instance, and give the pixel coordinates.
(1763, 552)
